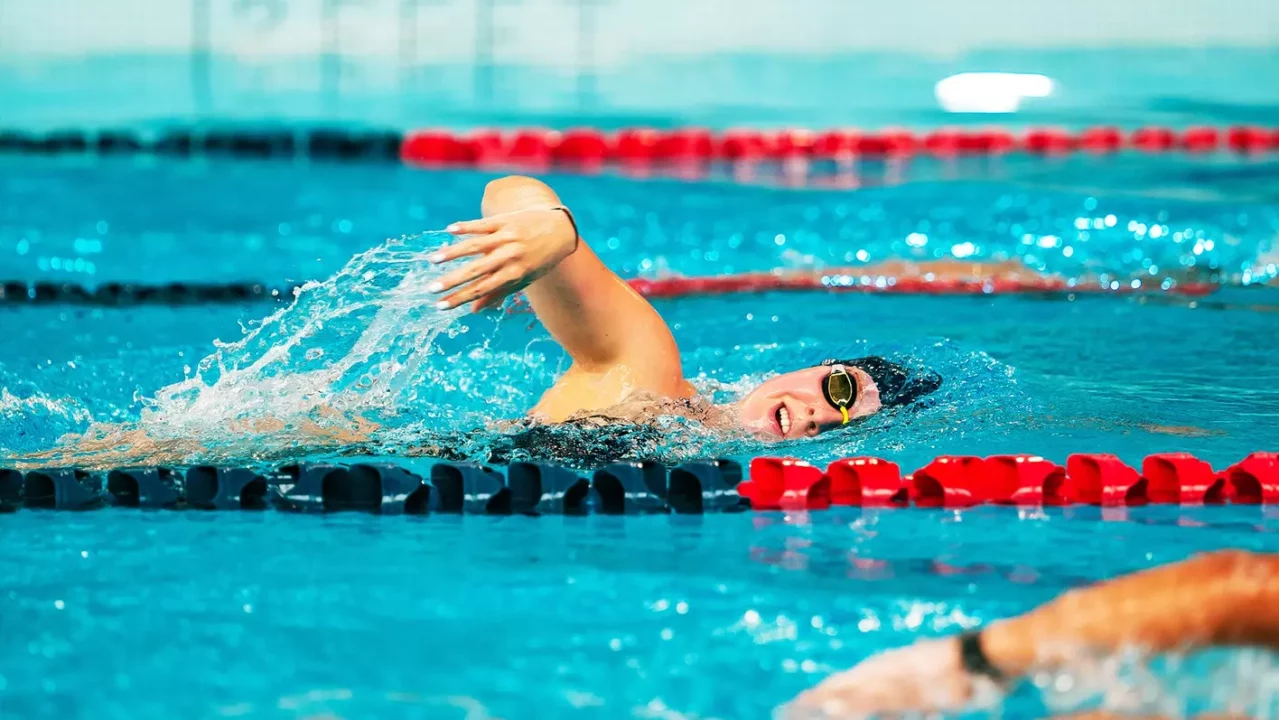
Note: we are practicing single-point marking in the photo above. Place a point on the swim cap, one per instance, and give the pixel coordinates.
(897, 384)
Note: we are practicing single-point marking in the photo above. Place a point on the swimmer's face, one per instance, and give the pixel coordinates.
(792, 405)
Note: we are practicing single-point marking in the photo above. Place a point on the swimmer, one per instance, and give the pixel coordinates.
(1222, 599)
(625, 369)
(625, 363)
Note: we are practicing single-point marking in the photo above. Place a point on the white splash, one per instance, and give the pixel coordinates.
(351, 348)
(35, 405)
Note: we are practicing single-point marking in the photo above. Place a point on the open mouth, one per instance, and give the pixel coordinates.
(782, 416)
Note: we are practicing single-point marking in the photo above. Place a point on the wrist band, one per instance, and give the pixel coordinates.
(577, 237)
(973, 657)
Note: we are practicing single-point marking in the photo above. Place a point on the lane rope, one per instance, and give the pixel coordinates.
(589, 148)
(643, 487)
(19, 293)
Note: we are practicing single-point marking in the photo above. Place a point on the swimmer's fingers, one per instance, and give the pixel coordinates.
(500, 283)
(476, 227)
(473, 246)
(489, 302)
(467, 273)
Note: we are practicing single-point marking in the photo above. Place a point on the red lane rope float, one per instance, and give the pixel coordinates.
(962, 481)
(1255, 479)
(647, 145)
(678, 286)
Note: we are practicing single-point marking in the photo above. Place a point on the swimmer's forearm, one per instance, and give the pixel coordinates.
(1228, 598)
(516, 193)
(589, 310)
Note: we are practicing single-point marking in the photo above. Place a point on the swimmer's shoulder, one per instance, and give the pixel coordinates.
(620, 391)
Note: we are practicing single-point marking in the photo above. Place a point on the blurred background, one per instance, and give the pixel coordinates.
(618, 62)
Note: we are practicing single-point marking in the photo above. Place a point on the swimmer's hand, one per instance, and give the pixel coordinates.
(927, 676)
(513, 249)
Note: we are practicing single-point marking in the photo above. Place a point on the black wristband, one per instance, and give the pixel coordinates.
(577, 237)
(974, 658)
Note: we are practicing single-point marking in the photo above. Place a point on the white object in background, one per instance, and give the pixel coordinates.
(990, 92)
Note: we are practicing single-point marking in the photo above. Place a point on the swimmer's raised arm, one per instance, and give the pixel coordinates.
(526, 240)
(1228, 598)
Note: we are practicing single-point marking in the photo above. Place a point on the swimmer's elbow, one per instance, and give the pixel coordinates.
(516, 192)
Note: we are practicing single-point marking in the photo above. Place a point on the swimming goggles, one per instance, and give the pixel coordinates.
(840, 389)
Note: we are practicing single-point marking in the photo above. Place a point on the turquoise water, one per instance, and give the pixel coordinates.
(1022, 374)
(141, 615)
(124, 614)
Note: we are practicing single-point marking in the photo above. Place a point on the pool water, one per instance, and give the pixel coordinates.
(655, 617)
(122, 614)
(1021, 374)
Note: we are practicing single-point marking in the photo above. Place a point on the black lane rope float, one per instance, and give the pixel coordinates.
(526, 488)
(115, 294)
(352, 144)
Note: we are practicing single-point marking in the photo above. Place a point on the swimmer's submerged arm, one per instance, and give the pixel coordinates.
(596, 316)
(1228, 598)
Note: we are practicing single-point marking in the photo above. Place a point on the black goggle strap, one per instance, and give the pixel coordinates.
(840, 389)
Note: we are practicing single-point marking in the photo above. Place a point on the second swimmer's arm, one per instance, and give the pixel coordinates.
(1226, 598)
(1221, 599)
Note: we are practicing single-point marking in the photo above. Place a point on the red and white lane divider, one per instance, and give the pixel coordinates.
(961, 481)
